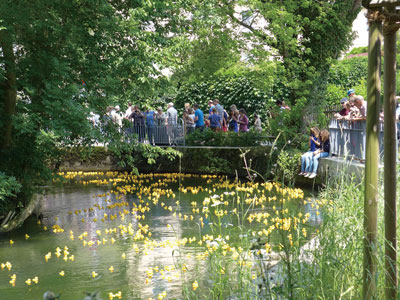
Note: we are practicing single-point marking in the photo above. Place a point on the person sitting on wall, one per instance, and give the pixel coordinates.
(314, 143)
(319, 153)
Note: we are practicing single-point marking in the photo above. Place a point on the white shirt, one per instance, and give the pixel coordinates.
(128, 112)
(116, 117)
(172, 115)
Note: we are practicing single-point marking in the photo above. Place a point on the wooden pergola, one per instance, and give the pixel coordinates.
(384, 20)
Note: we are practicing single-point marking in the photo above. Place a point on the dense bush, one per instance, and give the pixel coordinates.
(261, 160)
(220, 138)
(9, 187)
(229, 90)
(344, 75)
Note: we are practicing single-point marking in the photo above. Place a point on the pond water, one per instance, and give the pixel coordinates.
(132, 237)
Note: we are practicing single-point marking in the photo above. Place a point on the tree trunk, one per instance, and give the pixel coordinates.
(8, 92)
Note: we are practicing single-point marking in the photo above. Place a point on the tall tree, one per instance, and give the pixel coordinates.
(303, 37)
(60, 59)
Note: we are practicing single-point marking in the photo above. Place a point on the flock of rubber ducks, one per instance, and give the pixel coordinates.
(259, 206)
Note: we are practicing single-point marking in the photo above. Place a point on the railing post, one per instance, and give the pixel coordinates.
(372, 156)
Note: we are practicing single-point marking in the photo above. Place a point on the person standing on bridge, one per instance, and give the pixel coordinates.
(243, 121)
(198, 117)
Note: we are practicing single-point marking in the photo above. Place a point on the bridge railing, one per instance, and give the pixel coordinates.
(348, 138)
(158, 134)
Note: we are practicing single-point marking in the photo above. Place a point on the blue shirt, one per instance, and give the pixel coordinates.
(200, 117)
(313, 146)
(150, 118)
(215, 120)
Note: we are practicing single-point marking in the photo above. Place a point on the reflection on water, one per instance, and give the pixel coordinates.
(28, 256)
(99, 235)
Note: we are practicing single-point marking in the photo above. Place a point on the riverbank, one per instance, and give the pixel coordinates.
(229, 161)
(196, 160)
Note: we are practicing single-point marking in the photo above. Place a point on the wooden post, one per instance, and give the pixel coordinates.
(372, 156)
(390, 145)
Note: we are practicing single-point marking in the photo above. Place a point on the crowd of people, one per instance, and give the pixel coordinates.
(161, 127)
(354, 107)
(218, 119)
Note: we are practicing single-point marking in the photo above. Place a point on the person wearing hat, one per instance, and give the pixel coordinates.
(351, 93)
(344, 111)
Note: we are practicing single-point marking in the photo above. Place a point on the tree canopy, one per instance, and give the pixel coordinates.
(61, 59)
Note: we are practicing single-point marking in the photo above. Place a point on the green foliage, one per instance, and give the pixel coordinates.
(225, 139)
(128, 152)
(288, 166)
(49, 49)
(240, 91)
(303, 40)
(348, 72)
(118, 48)
(358, 50)
(9, 187)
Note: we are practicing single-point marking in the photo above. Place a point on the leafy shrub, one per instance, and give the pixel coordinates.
(229, 90)
(9, 187)
(233, 139)
(288, 165)
(344, 75)
(358, 50)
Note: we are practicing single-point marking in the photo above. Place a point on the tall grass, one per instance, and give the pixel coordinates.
(332, 268)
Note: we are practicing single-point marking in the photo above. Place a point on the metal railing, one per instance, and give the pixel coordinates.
(348, 138)
(158, 134)
(330, 110)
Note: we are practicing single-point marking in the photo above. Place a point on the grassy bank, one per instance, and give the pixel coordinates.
(333, 268)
